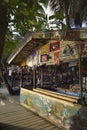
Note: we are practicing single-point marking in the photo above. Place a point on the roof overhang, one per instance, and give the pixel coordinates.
(31, 42)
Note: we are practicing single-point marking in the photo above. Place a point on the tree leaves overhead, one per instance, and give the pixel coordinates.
(25, 15)
(23, 12)
(11, 42)
(21, 17)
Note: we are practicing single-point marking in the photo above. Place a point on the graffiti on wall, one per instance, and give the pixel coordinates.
(67, 115)
(68, 51)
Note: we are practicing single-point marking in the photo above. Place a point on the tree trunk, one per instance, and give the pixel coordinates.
(4, 76)
(3, 27)
(77, 21)
(65, 6)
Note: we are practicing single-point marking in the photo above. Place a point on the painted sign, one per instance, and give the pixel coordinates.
(44, 49)
(68, 51)
(47, 58)
(55, 46)
(44, 58)
(49, 53)
(50, 58)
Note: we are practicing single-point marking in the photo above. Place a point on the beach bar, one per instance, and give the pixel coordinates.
(54, 76)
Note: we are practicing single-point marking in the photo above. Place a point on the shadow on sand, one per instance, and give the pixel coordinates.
(12, 127)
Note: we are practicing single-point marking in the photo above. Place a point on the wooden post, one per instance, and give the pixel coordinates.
(21, 77)
(80, 75)
(41, 77)
(34, 78)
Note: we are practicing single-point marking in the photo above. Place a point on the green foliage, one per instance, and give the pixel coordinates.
(11, 42)
(22, 16)
(25, 15)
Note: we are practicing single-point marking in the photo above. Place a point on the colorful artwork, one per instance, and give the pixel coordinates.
(68, 51)
(56, 58)
(47, 58)
(35, 58)
(44, 58)
(65, 114)
(83, 49)
(44, 49)
(55, 46)
(51, 58)
(29, 61)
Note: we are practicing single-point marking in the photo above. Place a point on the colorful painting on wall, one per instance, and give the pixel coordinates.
(56, 58)
(68, 51)
(44, 58)
(55, 46)
(83, 48)
(35, 58)
(65, 114)
(44, 49)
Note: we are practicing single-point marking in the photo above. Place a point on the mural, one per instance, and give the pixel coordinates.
(56, 58)
(83, 49)
(55, 46)
(47, 54)
(35, 58)
(68, 51)
(44, 49)
(67, 115)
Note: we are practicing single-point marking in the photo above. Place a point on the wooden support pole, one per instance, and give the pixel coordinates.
(34, 78)
(80, 75)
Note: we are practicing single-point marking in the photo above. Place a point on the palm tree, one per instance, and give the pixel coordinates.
(79, 13)
(75, 11)
(59, 6)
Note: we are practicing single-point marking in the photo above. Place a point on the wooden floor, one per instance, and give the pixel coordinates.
(13, 116)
